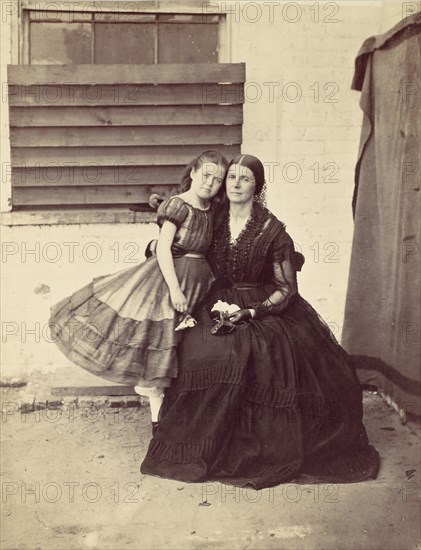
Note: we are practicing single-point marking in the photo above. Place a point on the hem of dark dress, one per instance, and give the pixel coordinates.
(341, 470)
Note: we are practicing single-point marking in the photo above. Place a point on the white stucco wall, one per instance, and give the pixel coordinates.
(310, 128)
(301, 118)
(43, 264)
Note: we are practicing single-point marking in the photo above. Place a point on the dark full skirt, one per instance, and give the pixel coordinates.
(274, 401)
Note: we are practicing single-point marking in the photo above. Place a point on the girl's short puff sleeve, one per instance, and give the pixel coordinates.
(173, 210)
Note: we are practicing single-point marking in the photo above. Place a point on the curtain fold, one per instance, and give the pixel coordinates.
(382, 314)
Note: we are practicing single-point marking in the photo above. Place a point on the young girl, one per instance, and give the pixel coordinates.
(122, 326)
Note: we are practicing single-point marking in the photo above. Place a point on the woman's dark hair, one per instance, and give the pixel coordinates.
(256, 166)
(207, 156)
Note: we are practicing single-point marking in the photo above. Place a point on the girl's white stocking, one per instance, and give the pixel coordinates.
(155, 405)
(156, 397)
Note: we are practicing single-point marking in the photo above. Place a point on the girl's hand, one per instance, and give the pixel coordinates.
(178, 300)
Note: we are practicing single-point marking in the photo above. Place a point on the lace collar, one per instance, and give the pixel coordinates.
(233, 241)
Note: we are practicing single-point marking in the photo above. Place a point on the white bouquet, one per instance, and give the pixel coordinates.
(221, 317)
(225, 308)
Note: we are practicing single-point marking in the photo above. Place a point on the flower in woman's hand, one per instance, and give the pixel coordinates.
(221, 315)
(224, 308)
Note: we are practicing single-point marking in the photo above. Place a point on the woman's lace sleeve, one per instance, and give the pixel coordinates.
(286, 263)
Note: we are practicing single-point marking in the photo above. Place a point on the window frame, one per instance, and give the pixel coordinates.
(19, 55)
(190, 7)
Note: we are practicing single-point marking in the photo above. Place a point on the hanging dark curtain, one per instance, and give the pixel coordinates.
(382, 314)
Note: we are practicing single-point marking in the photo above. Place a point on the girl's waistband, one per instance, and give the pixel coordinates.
(188, 255)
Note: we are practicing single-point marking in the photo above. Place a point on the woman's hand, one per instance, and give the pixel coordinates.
(242, 315)
(178, 300)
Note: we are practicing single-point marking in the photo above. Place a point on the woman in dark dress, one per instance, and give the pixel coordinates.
(276, 399)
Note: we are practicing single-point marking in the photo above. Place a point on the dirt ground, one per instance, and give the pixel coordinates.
(70, 480)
